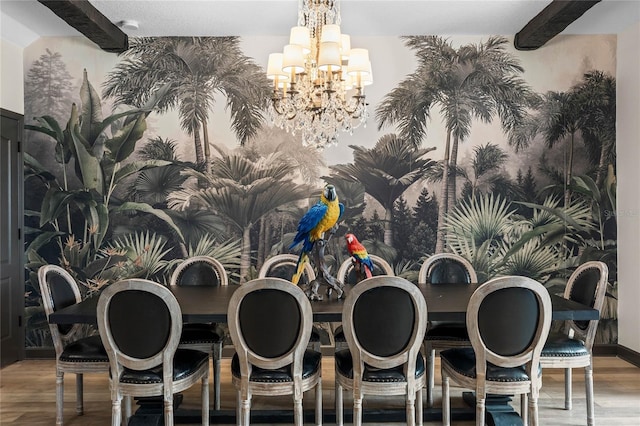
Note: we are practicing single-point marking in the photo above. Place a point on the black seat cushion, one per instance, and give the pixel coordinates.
(463, 361)
(447, 331)
(88, 349)
(560, 345)
(310, 365)
(185, 363)
(199, 333)
(344, 366)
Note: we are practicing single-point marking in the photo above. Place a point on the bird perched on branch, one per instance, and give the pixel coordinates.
(359, 255)
(319, 219)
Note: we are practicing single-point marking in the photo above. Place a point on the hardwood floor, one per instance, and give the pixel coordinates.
(27, 395)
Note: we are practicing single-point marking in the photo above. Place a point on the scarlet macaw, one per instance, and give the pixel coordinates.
(359, 254)
(320, 218)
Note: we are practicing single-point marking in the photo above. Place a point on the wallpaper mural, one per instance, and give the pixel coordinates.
(135, 162)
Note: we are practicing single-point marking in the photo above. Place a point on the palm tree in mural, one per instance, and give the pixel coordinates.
(242, 191)
(196, 68)
(386, 171)
(475, 81)
(597, 95)
(486, 160)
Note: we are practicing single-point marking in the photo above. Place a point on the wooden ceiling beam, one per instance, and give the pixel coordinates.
(81, 15)
(551, 21)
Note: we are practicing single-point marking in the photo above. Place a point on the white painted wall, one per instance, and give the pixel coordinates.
(12, 77)
(628, 167)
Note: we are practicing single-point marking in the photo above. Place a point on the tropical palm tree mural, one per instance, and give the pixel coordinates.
(195, 68)
(587, 112)
(242, 191)
(387, 170)
(475, 81)
(487, 160)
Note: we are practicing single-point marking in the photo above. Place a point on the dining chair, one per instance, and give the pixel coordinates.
(203, 271)
(384, 320)
(508, 320)
(348, 276)
(442, 269)
(140, 323)
(572, 346)
(284, 266)
(74, 354)
(273, 363)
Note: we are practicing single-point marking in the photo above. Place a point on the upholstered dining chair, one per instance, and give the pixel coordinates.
(384, 320)
(571, 347)
(74, 354)
(347, 275)
(268, 363)
(284, 266)
(203, 271)
(442, 269)
(508, 320)
(140, 323)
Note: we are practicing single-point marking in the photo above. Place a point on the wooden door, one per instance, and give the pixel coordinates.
(11, 275)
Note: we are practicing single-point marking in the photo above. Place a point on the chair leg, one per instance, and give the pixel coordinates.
(298, 414)
(59, 396)
(246, 411)
(588, 380)
(217, 356)
(339, 406)
(567, 389)
(419, 407)
(480, 405)
(446, 410)
(431, 356)
(524, 408)
(238, 409)
(357, 409)
(79, 394)
(127, 408)
(205, 398)
(168, 411)
(411, 409)
(116, 410)
(319, 403)
(533, 410)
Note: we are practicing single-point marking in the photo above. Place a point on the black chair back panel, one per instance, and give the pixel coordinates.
(383, 320)
(199, 273)
(584, 291)
(140, 323)
(508, 319)
(269, 321)
(62, 296)
(286, 271)
(446, 271)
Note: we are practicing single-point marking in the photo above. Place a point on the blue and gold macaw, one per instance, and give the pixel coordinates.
(320, 218)
(361, 258)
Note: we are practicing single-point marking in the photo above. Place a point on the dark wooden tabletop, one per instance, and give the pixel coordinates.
(445, 302)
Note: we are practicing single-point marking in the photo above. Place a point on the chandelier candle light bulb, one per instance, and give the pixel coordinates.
(318, 79)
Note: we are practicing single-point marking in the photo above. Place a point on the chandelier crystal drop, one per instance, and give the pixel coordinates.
(318, 79)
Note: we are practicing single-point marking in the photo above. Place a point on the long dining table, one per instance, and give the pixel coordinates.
(202, 304)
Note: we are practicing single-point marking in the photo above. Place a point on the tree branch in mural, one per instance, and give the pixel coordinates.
(387, 171)
(195, 68)
(479, 81)
(98, 147)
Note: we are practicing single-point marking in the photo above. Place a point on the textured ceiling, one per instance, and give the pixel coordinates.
(25, 20)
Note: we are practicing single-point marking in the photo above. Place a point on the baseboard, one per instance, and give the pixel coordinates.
(629, 355)
(608, 349)
(40, 353)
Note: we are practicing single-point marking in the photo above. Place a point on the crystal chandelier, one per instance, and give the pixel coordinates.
(318, 79)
